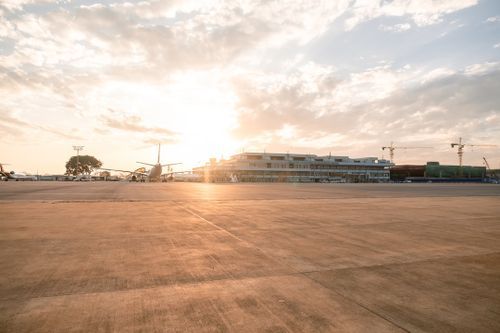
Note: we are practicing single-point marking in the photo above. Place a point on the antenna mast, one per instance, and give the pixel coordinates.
(77, 148)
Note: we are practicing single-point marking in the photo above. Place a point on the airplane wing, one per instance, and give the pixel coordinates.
(173, 172)
(149, 164)
(134, 172)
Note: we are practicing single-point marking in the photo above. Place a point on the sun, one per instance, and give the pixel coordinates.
(203, 114)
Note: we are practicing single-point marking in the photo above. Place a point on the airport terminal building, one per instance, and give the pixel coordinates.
(307, 168)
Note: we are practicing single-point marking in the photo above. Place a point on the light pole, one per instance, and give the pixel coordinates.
(77, 148)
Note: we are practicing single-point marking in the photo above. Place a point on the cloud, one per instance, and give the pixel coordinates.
(447, 107)
(493, 19)
(395, 28)
(131, 123)
(8, 130)
(267, 101)
(11, 125)
(15, 126)
(138, 38)
(59, 133)
(436, 73)
(6, 118)
(415, 109)
(422, 12)
(308, 96)
(157, 140)
(16, 5)
(483, 68)
(69, 49)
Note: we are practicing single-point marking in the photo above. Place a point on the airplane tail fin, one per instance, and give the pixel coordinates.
(1, 168)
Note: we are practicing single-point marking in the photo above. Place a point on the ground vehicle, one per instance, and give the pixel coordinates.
(82, 178)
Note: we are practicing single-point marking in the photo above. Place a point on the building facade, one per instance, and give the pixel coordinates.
(278, 167)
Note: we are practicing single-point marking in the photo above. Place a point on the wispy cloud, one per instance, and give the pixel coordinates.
(395, 28)
(7, 118)
(59, 133)
(422, 12)
(160, 139)
(493, 19)
(15, 125)
(131, 123)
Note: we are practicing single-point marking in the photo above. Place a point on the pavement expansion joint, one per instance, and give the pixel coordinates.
(372, 311)
(236, 237)
(153, 287)
(402, 263)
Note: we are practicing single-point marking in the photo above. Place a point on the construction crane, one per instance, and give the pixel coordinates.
(491, 170)
(392, 148)
(461, 147)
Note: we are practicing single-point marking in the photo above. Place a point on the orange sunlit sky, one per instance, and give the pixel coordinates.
(214, 78)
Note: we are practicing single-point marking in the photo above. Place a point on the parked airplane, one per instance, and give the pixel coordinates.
(153, 175)
(13, 175)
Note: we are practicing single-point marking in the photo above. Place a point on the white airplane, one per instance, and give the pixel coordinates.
(153, 175)
(13, 175)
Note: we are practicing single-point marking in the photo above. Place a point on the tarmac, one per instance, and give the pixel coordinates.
(193, 257)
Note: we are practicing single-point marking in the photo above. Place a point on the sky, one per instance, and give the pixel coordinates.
(215, 78)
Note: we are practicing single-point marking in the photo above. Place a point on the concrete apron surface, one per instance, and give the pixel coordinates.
(101, 257)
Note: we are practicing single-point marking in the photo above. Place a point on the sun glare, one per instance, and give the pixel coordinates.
(203, 114)
(198, 107)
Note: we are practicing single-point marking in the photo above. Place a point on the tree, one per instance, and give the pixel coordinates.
(86, 164)
(105, 174)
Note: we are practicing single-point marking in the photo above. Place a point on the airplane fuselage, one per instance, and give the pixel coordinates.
(19, 177)
(14, 176)
(155, 173)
